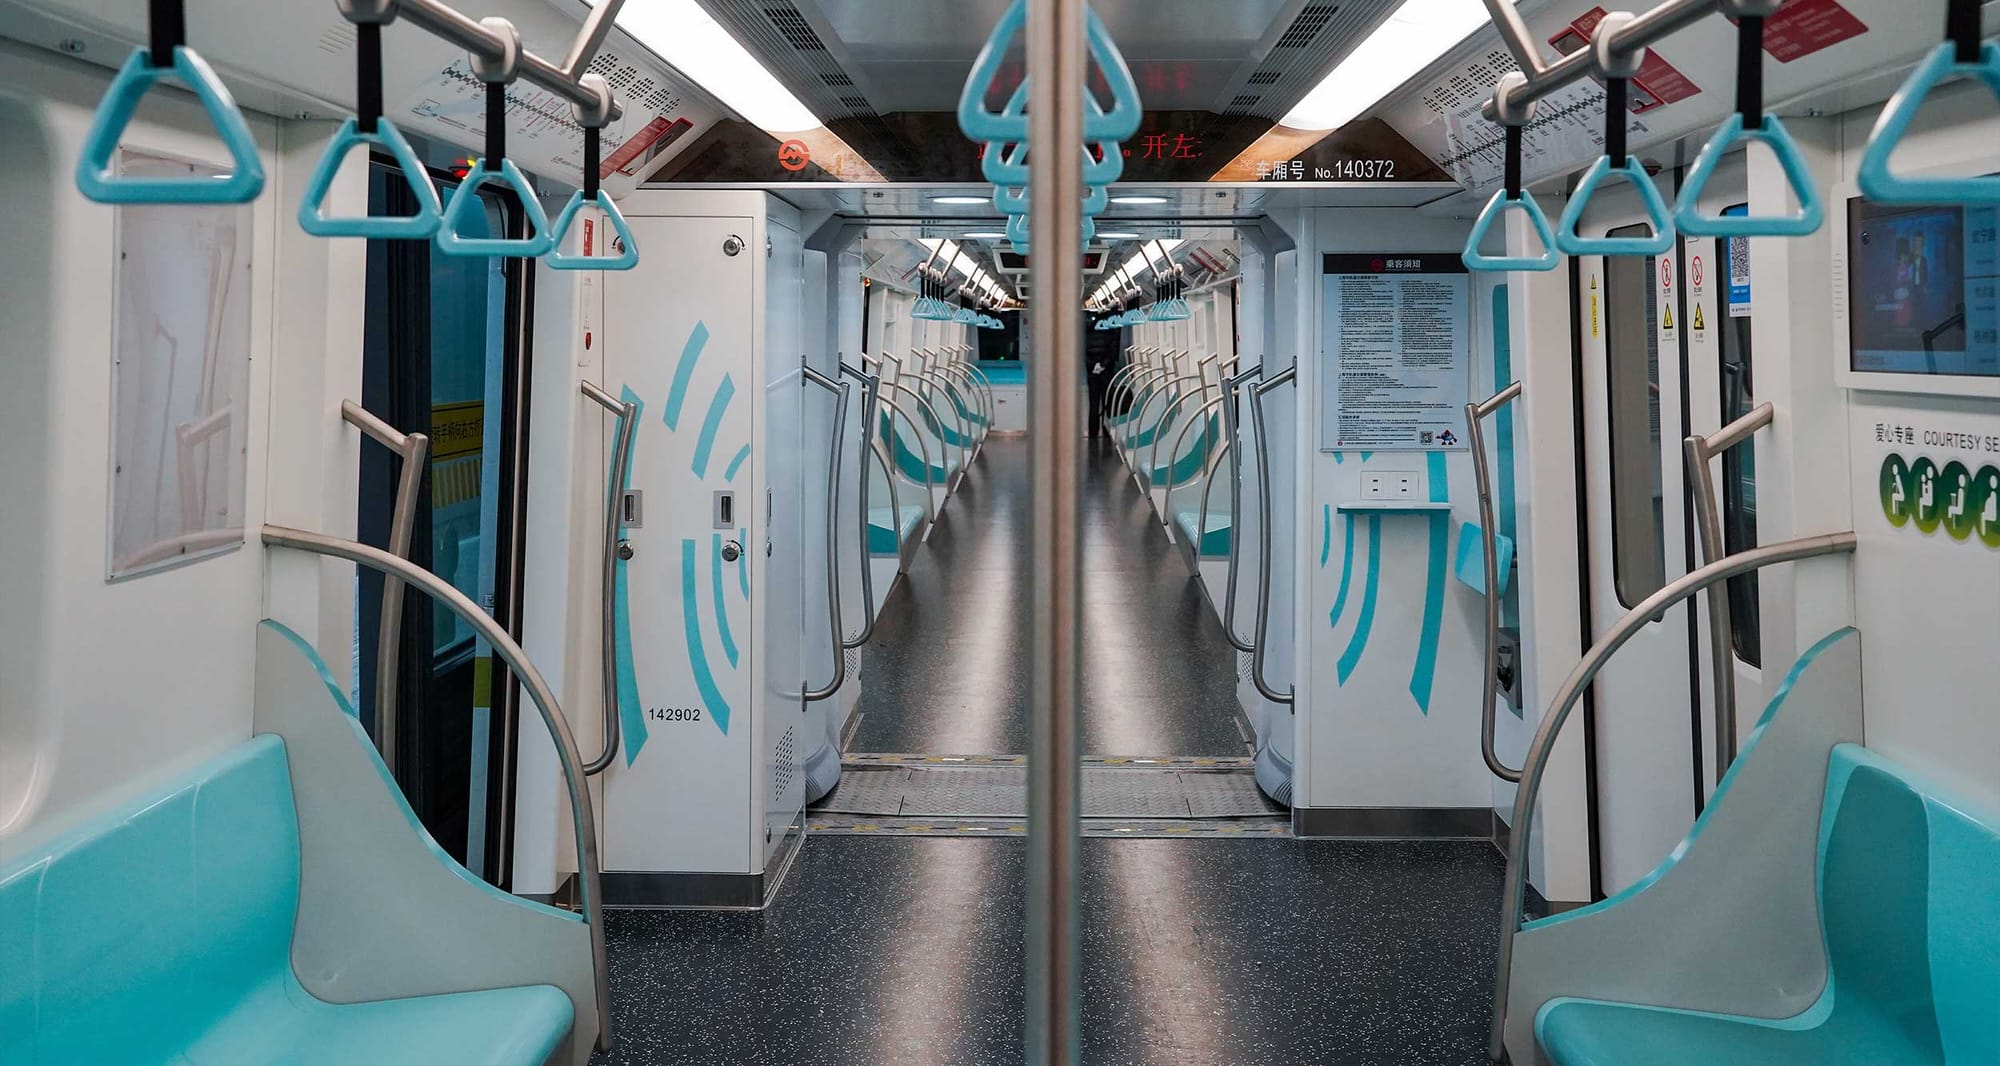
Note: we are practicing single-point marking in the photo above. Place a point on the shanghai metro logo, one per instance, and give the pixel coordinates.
(1954, 498)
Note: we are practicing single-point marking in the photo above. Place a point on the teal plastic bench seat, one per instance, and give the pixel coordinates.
(887, 533)
(1909, 905)
(1214, 540)
(161, 933)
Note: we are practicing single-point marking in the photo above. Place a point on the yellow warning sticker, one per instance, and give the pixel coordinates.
(1698, 323)
(1668, 321)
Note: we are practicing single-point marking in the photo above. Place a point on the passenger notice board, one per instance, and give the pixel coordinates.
(1395, 351)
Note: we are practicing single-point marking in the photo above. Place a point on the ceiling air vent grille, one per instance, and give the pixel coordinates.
(784, 37)
(795, 29)
(1312, 19)
(1320, 36)
(337, 40)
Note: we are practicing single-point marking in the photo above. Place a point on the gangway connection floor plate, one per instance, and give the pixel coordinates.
(946, 795)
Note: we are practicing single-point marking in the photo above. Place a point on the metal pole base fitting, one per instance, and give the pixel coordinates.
(598, 115)
(1505, 109)
(504, 69)
(364, 12)
(1611, 62)
(1738, 9)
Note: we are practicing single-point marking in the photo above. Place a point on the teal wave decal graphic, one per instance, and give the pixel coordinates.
(736, 464)
(704, 678)
(1325, 533)
(1423, 674)
(718, 407)
(684, 373)
(1346, 574)
(1371, 583)
(721, 605)
(743, 566)
(909, 463)
(631, 715)
(1194, 461)
(1339, 458)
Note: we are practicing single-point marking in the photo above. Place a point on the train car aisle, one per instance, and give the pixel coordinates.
(947, 672)
(907, 952)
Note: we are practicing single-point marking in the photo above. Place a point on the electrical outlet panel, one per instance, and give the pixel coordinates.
(1389, 484)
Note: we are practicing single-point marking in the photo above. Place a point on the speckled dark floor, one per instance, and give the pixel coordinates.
(1250, 953)
(948, 668)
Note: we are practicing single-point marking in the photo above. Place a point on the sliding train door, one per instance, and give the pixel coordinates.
(1647, 752)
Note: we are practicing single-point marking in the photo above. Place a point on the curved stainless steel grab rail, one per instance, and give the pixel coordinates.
(1475, 415)
(931, 418)
(1721, 627)
(412, 447)
(923, 454)
(620, 476)
(582, 814)
(871, 395)
(1257, 392)
(1573, 688)
(1232, 388)
(806, 691)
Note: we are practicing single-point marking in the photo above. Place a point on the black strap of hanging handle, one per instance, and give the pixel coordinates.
(1750, 70)
(1961, 26)
(1614, 121)
(166, 26)
(592, 150)
(1513, 164)
(367, 75)
(496, 124)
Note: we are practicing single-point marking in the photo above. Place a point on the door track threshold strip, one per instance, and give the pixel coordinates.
(1264, 828)
(877, 760)
(974, 791)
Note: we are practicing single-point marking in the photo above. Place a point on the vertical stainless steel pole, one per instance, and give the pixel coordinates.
(1055, 36)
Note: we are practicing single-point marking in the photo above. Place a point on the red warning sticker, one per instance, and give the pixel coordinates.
(1803, 27)
(1658, 81)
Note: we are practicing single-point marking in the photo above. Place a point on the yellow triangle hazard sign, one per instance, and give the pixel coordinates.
(1669, 320)
(1698, 323)
(1593, 283)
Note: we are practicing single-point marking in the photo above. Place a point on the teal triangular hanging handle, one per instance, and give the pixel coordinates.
(1010, 123)
(466, 205)
(1570, 242)
(559, 237)
(1772, 134)
(1881, 184)
(421, 226)
(97, 176)
(1497, 208)
(1127, 110)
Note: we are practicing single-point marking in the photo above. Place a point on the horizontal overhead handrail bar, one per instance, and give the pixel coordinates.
(412, 448)
(615, 550)
(1624, 41)
(491, 44)
(1475, 417)
(583, 818)
(1572, 690)
(1722, 638)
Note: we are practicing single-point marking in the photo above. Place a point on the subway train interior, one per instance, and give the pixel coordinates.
(966, 532)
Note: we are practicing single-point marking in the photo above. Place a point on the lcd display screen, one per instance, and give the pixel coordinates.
(1923, 289)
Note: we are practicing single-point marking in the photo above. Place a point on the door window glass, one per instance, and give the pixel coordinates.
(1739, 464)
(1632, 380)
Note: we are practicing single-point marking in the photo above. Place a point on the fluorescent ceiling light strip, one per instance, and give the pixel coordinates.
(1413, 38)
(683, 34)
